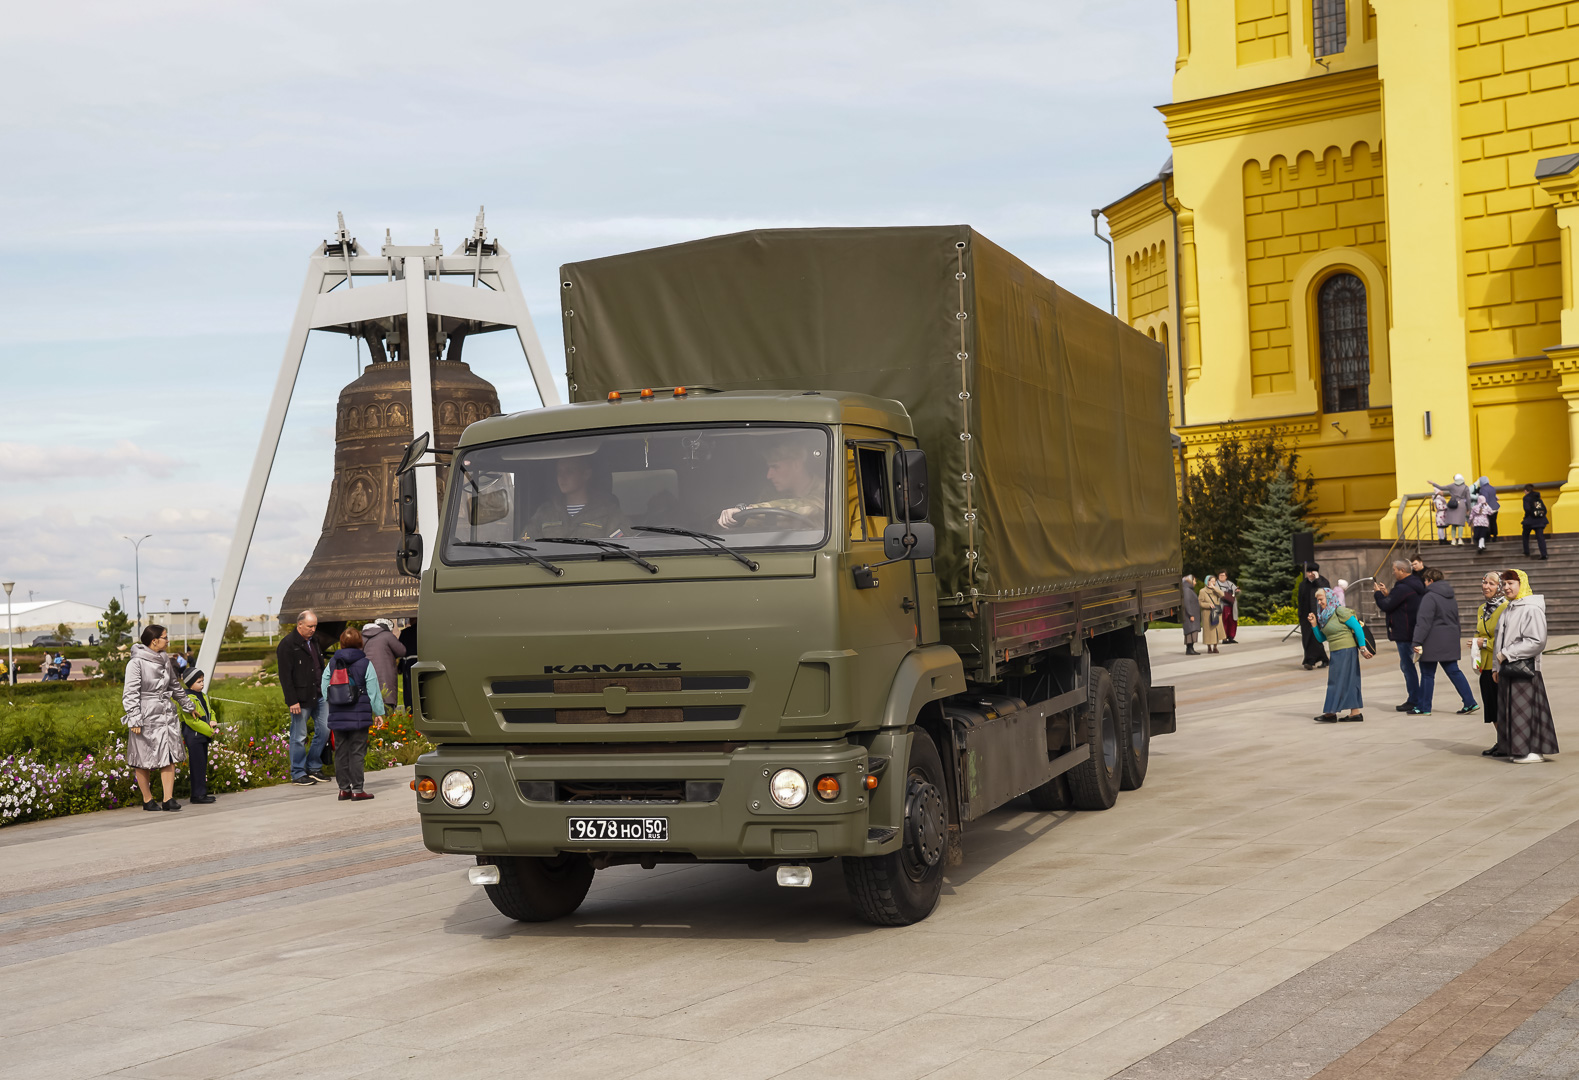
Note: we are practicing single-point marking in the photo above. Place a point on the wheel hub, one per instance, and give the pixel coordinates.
(924, 822)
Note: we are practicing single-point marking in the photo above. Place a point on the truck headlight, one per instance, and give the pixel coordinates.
(457, 788)
(788, 788)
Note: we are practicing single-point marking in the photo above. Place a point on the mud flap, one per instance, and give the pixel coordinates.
(1164, 717)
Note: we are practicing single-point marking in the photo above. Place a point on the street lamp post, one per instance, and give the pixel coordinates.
(137, 578)
(10, 658)
(184, 604)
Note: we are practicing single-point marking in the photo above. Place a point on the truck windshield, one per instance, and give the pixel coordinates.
(754, 488)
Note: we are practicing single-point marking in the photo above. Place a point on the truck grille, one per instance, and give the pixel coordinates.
(689, 714)
(614, 792)
(595, 686)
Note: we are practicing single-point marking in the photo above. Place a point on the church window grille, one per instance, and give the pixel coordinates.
(1345, 344)
(1329, 27)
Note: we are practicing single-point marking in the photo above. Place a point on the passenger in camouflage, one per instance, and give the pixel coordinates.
(800, 480)
(577, 510)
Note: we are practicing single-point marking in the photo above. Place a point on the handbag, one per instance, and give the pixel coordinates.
(1370, 639)
(1518, 669)
(1452, 503)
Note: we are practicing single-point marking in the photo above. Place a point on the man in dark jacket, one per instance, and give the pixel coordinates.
(1315, 655)
(1400, 604)
(1535, 520)
(301, 670)
(1437, 641)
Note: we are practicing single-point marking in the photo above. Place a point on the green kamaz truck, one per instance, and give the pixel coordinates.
(848, 537)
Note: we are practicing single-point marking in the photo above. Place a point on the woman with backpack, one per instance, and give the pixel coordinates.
(350, 687)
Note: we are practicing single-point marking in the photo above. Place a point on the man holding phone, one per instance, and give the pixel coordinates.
(301, 670)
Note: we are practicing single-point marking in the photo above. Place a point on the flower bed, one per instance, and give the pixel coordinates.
(66, 752)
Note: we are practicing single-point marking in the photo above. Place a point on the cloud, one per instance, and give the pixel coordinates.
(25, 463)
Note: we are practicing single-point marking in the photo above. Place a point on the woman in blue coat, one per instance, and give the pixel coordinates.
(350, 687)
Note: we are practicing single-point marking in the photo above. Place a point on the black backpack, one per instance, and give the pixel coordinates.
(343, 690)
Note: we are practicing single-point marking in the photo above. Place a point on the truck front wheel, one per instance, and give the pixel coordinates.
(903, 886)
(537, 890)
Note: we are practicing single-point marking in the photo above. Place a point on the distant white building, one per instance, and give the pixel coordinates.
(31, 618)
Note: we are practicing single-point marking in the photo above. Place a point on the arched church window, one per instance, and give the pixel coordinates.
(1329, 27)
(1345, 344)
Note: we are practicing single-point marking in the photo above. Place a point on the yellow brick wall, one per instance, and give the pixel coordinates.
(1261, 27)
(1292, 212)
(1518, 71)
(1146, 274)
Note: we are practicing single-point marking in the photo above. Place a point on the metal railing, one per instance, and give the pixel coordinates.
(1409, 521)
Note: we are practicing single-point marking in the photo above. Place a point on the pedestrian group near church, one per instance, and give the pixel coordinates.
(1422, 622)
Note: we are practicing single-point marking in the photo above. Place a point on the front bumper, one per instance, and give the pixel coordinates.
(741, 822)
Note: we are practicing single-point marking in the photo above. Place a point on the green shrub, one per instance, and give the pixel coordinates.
(1286, 615)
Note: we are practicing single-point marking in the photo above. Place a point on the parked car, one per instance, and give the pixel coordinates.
(50, 641)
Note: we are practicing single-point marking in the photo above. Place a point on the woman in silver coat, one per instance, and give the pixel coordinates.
(153, 739)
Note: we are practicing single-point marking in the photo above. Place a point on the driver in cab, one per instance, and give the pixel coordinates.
(798, 477)
(576, 510)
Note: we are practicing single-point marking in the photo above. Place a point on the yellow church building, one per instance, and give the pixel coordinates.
(1366, 237)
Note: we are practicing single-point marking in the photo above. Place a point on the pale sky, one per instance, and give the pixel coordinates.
(170, 164)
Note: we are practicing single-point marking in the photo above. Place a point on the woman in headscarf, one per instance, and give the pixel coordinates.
(1457, 511)
(1340, 628)
(1211, 599)
(1230, 593)
(1525, 712)
(1483, 487)
(1480, 516)
(1486, 619)
(1189, 612)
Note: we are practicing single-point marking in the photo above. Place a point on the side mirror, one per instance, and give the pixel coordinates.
(414, 451)
(409, 558)
(919, 541)
(911, 500)
(408, 502)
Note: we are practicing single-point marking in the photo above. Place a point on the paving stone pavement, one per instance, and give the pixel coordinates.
(279, 933)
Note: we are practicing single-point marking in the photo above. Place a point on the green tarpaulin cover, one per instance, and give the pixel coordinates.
(1045, 420)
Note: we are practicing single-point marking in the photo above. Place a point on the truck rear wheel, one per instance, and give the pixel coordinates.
(1134, 722)
(537, 890)
(903, 886)
(1094, 783)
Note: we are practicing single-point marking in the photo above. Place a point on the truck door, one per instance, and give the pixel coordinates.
(889, 610)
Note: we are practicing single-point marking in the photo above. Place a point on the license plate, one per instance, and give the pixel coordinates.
(619, 828)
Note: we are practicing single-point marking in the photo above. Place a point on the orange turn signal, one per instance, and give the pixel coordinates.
(614, 395)
(426, 788)
(645, 394)
(828, 788)
(871, 783)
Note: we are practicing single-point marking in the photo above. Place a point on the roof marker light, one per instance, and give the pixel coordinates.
(646, 394)
(614, 395)
(679, 391)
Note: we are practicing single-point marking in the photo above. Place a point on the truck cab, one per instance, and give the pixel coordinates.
(656, 628)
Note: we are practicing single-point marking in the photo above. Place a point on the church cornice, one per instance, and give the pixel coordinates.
(1346, 93)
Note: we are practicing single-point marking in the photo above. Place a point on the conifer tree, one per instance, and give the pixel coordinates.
(1268, 565)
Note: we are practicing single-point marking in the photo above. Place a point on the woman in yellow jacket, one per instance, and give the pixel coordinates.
(1486, 618)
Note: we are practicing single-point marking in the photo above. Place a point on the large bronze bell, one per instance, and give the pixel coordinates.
(351, 575)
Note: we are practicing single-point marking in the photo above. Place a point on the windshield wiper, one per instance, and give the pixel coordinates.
(528, 553)
(714, 542)
(607, 545)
